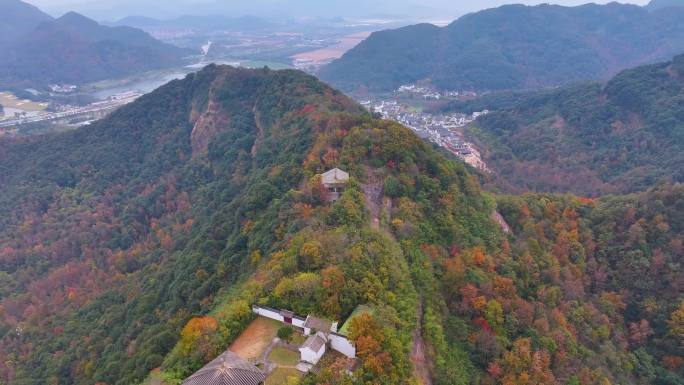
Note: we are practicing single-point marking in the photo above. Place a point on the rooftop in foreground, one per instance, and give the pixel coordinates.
(227, 369)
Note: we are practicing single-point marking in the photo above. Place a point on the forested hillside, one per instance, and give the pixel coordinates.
(18, 18)
(141, 242)
(622, 136)
(115, 234)
(75, 50)
(513, 47)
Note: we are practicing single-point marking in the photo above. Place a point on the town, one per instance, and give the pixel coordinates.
(444, 129)
(65, 114)
(428, 92)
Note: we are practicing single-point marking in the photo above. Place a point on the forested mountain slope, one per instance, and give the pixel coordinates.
(140, 243)
(622, 136)
(114, 234)
(74, 49)
(201, 23)
(18, 18)
(513, 47)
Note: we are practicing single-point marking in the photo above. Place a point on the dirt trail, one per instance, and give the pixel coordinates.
(260, 129)
(373, 193)
(421, 366)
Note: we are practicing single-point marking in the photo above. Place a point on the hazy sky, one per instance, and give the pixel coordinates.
(442, 9)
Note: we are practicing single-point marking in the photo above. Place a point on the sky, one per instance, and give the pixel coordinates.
(408, 9)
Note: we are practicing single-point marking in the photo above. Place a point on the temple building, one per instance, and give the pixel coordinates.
(334, 181)
(227, 369)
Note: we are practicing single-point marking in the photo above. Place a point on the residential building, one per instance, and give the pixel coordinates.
(313, 349)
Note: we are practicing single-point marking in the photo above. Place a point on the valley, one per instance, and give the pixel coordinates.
(313, 60)
(304, 45)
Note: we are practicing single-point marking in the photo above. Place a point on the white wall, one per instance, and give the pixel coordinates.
(268, 313)
(342, 345)
(298, 322)
(310, 356)
(275, 314)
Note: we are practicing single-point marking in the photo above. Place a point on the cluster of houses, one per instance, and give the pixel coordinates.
(431, 93)
(441, 129)
(321, 334)
(230, 369)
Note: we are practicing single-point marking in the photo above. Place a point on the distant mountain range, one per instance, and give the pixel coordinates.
(659, 4)
(209, 23)
(591, 139)
(74, 49)
(18, 18)
(514, 47)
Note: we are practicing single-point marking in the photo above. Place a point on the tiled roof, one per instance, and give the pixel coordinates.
(335, 176)
(315, 343)
(318, 324)
(227, 369)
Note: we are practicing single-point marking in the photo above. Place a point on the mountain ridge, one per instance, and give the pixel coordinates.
(620, 136)
(74, 49)
(18, 18)
(561, 45)
(660, 4)
(138, 244)
(246, 22)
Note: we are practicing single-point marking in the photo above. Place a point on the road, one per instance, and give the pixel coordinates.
(91, 109)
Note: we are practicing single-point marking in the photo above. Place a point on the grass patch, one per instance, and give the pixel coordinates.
(298, 338)
(284, 357)
(280, 376)
(361, 309)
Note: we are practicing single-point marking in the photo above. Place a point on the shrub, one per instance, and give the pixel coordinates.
(285, 333)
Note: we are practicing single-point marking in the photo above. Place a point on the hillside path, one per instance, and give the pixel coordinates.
(373, 193)
(421, 367)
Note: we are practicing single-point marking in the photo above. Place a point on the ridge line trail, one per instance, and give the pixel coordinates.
(421, 367)
(372, 190)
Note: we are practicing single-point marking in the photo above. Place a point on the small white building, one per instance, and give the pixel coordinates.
(335, 181)
(313, 349)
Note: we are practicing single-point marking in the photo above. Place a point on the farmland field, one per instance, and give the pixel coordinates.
(8, 100)
(335, 51)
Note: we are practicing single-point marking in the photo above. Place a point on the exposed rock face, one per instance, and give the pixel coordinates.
(208, 123)
(212, 121)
